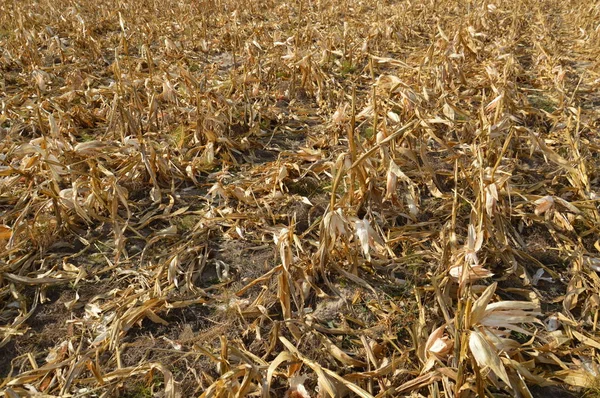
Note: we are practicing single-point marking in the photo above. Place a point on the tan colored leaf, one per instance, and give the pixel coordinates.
(486, 355)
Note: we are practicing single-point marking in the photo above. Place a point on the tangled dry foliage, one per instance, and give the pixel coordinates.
(303, 198)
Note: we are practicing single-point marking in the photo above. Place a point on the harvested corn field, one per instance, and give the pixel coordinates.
(300, 198)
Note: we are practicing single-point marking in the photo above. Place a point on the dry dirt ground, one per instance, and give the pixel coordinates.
(299, 198)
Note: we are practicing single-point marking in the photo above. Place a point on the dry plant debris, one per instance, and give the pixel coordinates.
(299, 198)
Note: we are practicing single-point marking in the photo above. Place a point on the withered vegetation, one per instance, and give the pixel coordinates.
(299, 198)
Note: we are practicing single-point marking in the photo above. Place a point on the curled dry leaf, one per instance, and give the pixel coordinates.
(297, 389)
(439, 342)
(335, 224)
(543, 205)
(364, 232)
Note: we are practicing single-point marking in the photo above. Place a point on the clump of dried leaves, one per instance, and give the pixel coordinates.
(304, 198)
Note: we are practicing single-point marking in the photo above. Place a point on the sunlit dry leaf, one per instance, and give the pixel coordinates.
(486, 356)
(472, 272)
(438, 342)
(217, 190)
(586, 340)
(340, 115)
(491, 197)
(297, 389)
(170, 46)
(577, 378)
(173, 271)
(362, 232)
(390, 187)
(335, 223)
(393, 117)
(509, 314)
(40, 79)
(479, 306)
(90, 148)
(448, 111)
